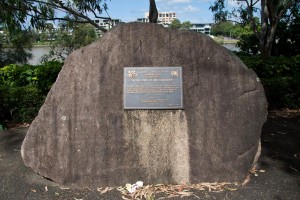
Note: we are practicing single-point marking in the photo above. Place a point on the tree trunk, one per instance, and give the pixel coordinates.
(264, 39)
(268, 28)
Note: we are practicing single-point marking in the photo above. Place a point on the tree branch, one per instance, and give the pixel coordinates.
(251, 17)
(255, 2)
(285, 8)
(97, 16)
(59, 4)
(79, 15)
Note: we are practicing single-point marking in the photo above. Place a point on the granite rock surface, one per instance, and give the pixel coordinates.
(83, 136)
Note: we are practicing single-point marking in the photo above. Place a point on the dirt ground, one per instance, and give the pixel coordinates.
(277, 176)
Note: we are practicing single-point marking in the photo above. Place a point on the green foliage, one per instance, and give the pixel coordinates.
(24, 88)
(17, 76)
(288, 34)
(275, 67)
(249, 44)
(176, 24)
(47, 74)
(282, 92)
(76, 36)
(271, 14)
(239, 30)
(222, 28)
(19, 16)
(19, 104)
(228, 29)
(280, 77)
(15, 14)
(218, 8)
(186, 25)
(17, 53)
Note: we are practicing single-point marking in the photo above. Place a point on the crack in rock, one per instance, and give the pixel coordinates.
(249, 149)
(248, 91)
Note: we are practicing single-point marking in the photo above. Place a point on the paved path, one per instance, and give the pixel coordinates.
(280, 160)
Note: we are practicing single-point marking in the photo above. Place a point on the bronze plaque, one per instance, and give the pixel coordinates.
(153, 88)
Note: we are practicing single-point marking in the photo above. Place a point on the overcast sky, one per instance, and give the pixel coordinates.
(195, 11)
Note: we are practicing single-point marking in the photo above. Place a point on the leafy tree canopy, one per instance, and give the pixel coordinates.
(65, 42)
(16, 53)
(17, 14)
(186, 25)
(18, 17)
(271, 13)
(176, 24)
(222, 28)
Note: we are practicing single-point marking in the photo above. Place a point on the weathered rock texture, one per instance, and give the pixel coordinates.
(83, 136)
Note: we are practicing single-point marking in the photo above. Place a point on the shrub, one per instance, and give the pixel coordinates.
(274, 67)
(280, 77)
(20, 104)
(23, 89)
(47, 74)
(249, 44)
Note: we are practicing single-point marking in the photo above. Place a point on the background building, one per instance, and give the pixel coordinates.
(143, 20)
(107, 24)
(202, 28)
(164, 18)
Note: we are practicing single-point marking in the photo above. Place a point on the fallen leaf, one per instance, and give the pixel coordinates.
(185, 193)
(33, 190)
(231, 189)
(106, 190)
(246, 180)
(253, 171)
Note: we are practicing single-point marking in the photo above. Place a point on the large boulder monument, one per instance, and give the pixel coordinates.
(148, 103)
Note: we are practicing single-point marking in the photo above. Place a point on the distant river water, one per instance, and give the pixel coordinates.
(38, 52)
(231, 47)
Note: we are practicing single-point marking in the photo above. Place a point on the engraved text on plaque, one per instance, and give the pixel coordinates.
(153, 88)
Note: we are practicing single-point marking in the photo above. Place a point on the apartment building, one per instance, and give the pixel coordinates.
(202, 28)
(107, 23)
(164, 18)
(143, 20)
